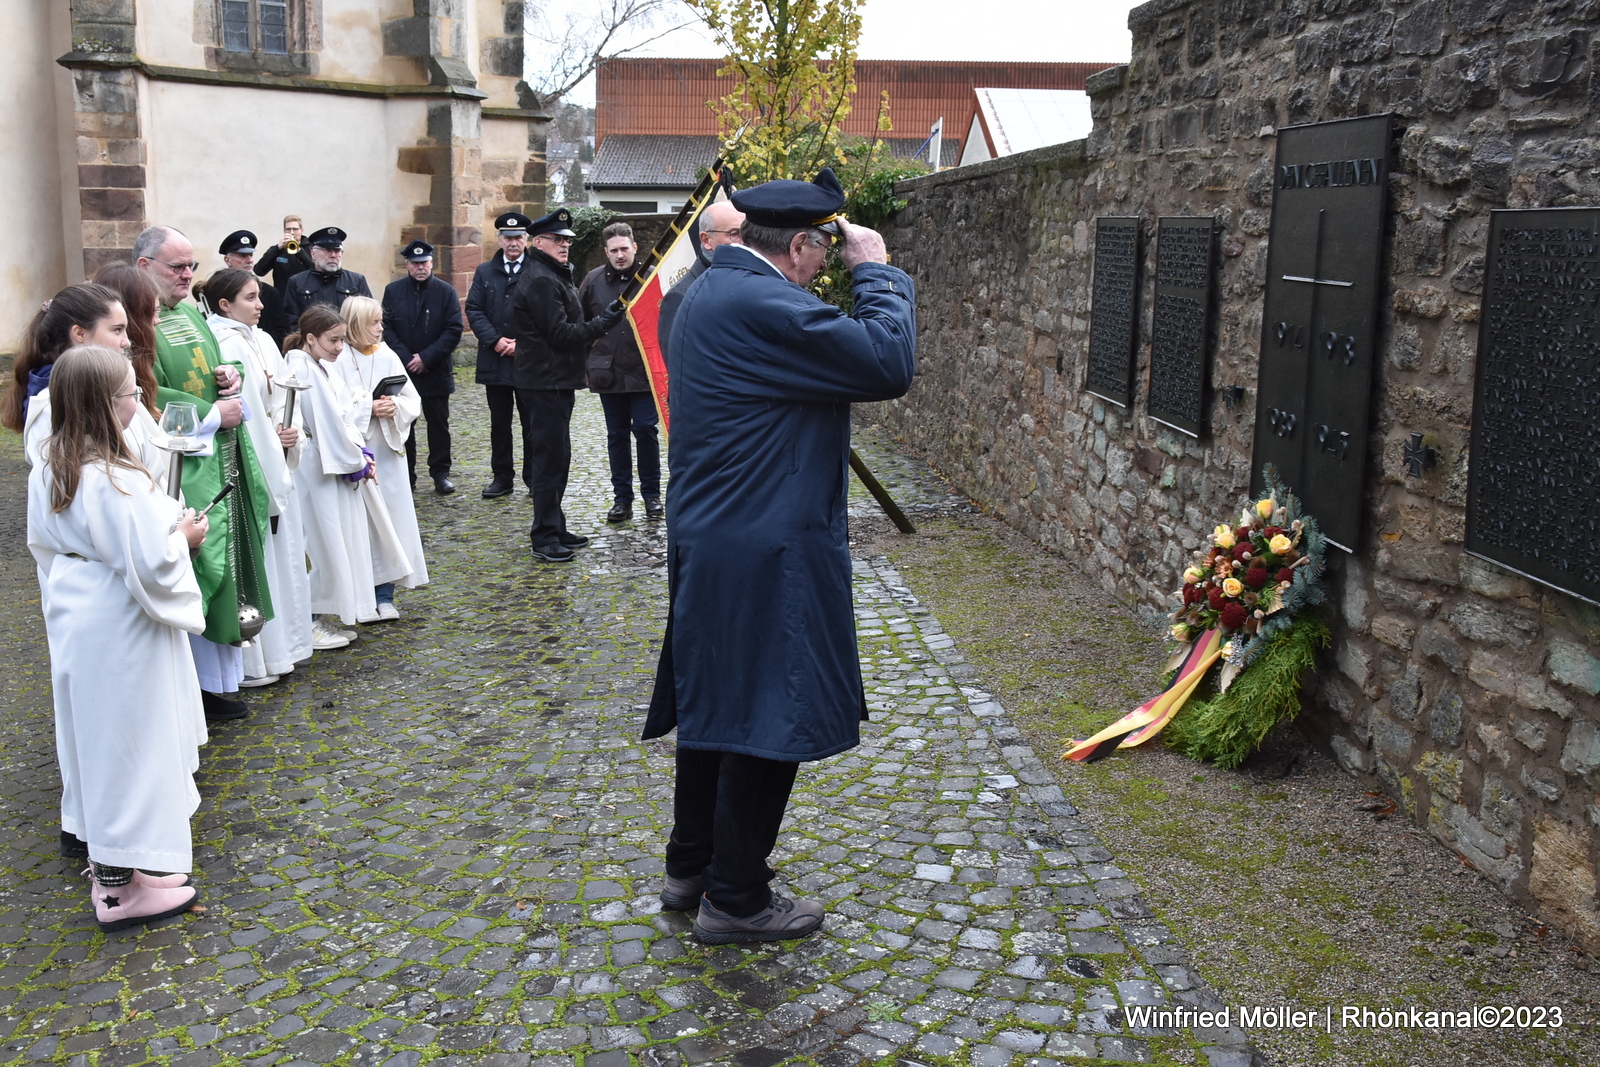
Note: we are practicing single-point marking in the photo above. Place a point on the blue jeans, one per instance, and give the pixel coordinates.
(384, 592)
(632, 413)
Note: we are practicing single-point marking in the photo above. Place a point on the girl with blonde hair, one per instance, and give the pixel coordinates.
(120, 597)
(384, 422)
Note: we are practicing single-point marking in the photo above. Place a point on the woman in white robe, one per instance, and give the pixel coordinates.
(234, 297)
(121, 597)
(349, 537)
(384, 424)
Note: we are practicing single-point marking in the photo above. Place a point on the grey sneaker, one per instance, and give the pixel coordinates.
(682, 894)
(781, 920)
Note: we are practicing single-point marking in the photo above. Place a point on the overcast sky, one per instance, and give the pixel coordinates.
(1022, 30)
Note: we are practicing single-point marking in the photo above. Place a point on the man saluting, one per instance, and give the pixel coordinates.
(759, 668)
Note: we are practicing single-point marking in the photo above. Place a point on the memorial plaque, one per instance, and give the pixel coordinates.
(1533, 492)
(1319, 323)
(1114, 318)
(1182, 324)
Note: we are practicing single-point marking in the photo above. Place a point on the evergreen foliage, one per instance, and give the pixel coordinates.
(1226, 727)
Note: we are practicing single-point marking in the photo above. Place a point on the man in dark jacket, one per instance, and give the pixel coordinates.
(238, 251)
(489, 315)
(281, 263)
(759, 667)
(717, 225)
(552, 346)
(327, 282)
(616, 371)
(422, 323)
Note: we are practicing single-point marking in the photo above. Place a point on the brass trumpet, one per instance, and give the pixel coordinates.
(291, 246)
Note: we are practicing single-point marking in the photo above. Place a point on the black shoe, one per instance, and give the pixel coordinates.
(653, 508)
(556, 552)
(72, 848)
(621, 511)
(496, 488)
(572, 540)
(443, 486)
(220, 709)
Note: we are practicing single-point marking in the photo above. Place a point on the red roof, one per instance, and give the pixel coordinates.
(654, 96)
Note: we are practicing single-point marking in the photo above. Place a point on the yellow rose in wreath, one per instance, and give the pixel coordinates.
(1193, 575)
(1232, 587)
(1280, 544)
(1266, 507)
(1223, 535)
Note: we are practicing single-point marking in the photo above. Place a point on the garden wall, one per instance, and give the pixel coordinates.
(1464, 691)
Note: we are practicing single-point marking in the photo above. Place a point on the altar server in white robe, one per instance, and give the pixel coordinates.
(234, 299)
(121, 598)
(350, 539)
(384, 424)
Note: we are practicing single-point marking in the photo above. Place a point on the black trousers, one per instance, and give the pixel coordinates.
(502, 398)
(436, 413)
(726, 814)
(549, 451)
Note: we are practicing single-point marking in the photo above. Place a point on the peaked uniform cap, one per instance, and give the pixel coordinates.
(238, 241)
(790, 203)
(328, 237)
(558, 222)
(512, 223)
(417, 251)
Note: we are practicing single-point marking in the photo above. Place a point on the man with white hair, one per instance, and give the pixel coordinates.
(189, 370)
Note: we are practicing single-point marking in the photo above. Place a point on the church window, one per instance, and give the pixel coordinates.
(256, 26)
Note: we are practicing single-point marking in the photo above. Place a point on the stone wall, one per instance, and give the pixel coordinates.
(1466, 692)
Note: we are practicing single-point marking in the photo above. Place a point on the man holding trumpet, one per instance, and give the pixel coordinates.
(286, 258)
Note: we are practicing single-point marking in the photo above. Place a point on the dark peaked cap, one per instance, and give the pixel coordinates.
(790, 203)
(237, 241)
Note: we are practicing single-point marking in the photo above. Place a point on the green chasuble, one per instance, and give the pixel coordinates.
(228, 564)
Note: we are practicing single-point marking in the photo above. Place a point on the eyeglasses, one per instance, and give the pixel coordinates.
(179, 268)
(735, 230)
(124, 396)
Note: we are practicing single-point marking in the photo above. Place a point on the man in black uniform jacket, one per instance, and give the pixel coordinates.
(552, 346)
(279, 261)
(238, 251)
(489, 315)
(422, 323)
(326, 282)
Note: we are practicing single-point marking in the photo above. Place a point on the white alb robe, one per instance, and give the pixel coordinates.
(121, 599)
(386, 439)
(286, 639)
(349, 537)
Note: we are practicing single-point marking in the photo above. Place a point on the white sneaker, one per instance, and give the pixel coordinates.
(324, 638)
(256, 683)
(388, 613)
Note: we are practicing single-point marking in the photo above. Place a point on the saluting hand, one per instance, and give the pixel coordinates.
(861, 245)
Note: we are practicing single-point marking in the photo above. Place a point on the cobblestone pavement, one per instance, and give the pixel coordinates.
(442, 845)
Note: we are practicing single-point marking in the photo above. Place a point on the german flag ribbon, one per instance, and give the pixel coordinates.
(1149, 718)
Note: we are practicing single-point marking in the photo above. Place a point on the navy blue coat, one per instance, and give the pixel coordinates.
(760, 654)
(490, 316)
(424, 320)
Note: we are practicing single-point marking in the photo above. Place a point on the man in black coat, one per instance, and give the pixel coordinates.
(717, 225)
(489, 315)
(552, 346)
(327, 282)
(238, 251)
(616, 371)
(281, 263)
(422, 323)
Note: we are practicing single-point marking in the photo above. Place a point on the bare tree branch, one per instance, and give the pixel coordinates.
(567, 39)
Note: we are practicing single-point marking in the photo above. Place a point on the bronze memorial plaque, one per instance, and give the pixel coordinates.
(1319, 324)
(1533, 491)
(1183, 323)
(1114, 318)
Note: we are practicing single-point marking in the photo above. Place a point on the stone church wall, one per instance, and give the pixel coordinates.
(1464, 691)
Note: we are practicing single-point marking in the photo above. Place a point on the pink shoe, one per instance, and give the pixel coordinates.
(122, 906)
(160, 881)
